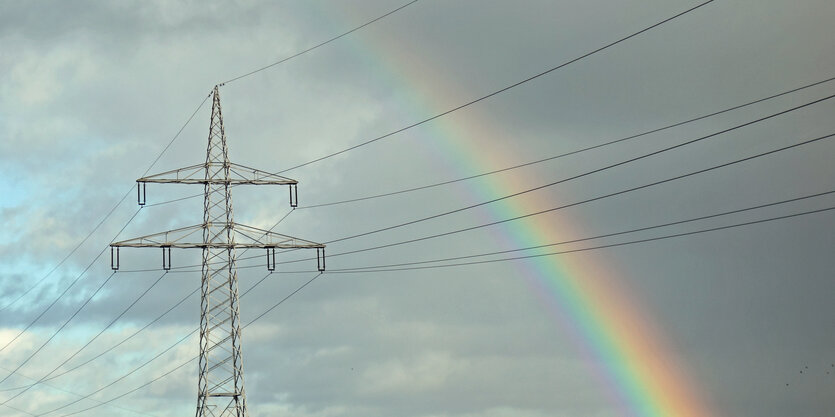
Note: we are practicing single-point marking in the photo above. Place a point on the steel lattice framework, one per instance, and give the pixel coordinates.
(220, 387)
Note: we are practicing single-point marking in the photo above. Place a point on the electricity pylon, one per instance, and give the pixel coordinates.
(220, 388)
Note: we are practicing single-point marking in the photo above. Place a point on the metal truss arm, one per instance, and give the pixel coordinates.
(244, 237)
(238, 175)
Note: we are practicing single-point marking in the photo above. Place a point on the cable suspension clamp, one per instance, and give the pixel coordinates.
(114, 258)
(166, 258)
(294, 195)
(271, 258)
(140, 193)
(320, 259)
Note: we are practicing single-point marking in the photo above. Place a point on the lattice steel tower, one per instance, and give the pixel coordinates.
(220, 387)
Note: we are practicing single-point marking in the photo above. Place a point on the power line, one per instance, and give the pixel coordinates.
(549, 210)
(86, 396)
(171, 142)
(578, 175)
(314, 278)
(72, 393)
(159, 155)
(169, 372)
(125, 340)
(168, 145)
(156, 159)
(578, 240)
(20, 410)
(553, 209)
(170, 347)
(157, 356)
(82, 397)
(603, 246)
(612, 245)
(74, 249)
(132, 335)
(499, 91)
(320, 44)
(113, 321)
(182, 365)
(746, 158)
(31, 323)
(46, 377)
(550, 158)
(538, 161)
(84, 271)
(295, 55)
(32, 355)
(250, 74)
(587, 173)
(283, 299)
(164, 150)
(109, 213)
(366, 269)
(175, 200)
(178, 367)
(377, 268)
(185, 267)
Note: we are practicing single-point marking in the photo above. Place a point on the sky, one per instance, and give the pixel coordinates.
(730, 322)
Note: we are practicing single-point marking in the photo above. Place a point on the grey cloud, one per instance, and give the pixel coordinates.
(92, 92)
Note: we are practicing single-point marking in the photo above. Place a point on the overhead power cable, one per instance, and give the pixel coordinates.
(168, 145)
(170, 371)
(108, 214)
(378, 267)
(110, 400)
(20, 410)
(382, 268)
(157, 158)
(154, 163)
(26, 387)
(611, 245)
(79, 350)
(320, 44)
(499, 91)
(584, 239)
(176, 199)
(549, 210)
(77, 278)
(64, 324)
(187, 267)
(121, 342)
(553, 209)
(553, 157)
(158, 355)
(67, 256)
(86, 396)
(587, 173)
(113, 321)
(620, 244)
(538, 161)
(265, 312)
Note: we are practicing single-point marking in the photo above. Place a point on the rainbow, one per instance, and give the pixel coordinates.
(635, 365)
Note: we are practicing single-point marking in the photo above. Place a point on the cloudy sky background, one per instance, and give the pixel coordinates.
(91, 93)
